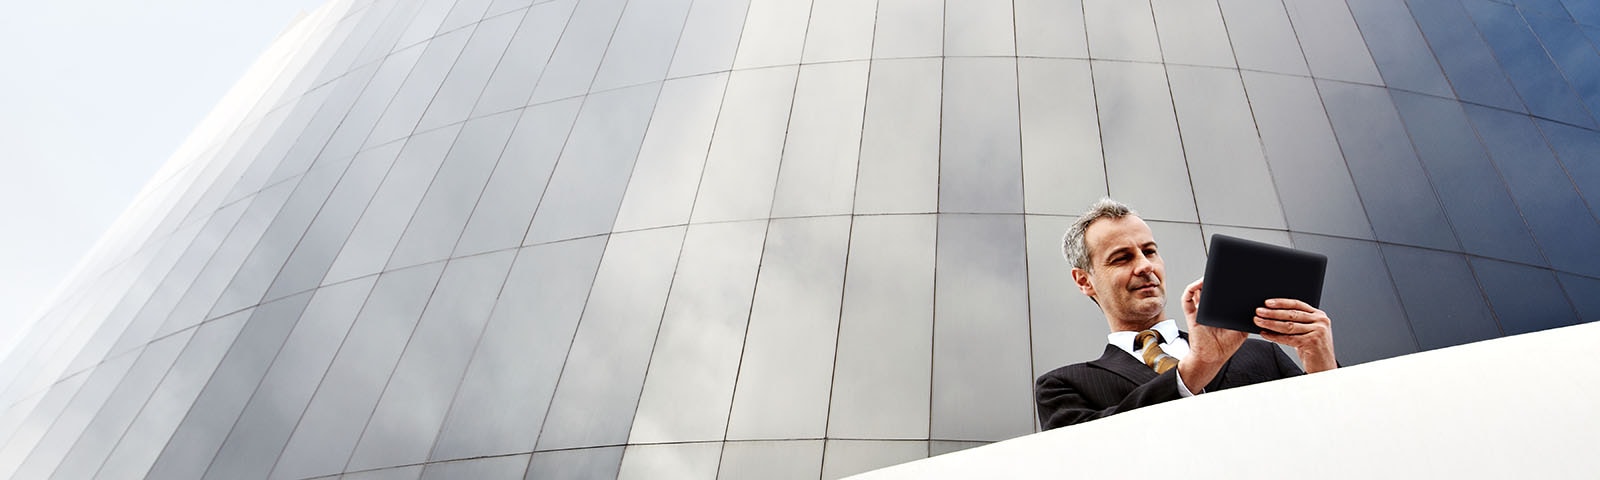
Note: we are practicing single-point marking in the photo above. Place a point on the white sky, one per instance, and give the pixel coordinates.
(94, 96)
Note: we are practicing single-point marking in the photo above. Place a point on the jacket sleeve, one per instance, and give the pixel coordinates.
(1062, 399)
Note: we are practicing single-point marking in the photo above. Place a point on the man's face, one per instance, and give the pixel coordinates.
(1126, 275)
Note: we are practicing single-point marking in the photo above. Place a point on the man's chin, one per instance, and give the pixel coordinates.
(1152, 307)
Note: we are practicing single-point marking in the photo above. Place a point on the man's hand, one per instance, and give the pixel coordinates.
(1296, 324)
(1209, 348)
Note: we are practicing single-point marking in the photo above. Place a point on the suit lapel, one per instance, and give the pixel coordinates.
(1124, 365)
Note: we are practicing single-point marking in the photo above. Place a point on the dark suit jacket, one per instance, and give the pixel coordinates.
(1117, 382)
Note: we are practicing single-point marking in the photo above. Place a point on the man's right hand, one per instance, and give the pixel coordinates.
(1209, 347)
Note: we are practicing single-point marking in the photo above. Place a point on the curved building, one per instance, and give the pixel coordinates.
(780, 238)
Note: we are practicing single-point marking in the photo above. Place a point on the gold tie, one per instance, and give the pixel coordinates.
(1150, 342)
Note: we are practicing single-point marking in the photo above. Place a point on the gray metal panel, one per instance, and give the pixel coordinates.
(689, 387)
(881, 376)
(982, 380)
(504, 395)
(794, 320)
(604, 373)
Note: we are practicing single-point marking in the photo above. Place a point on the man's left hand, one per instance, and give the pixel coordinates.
(1296, 324)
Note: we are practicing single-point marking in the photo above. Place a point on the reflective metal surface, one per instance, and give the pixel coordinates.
(781, 239)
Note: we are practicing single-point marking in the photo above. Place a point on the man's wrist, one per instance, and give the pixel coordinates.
(1196, 374)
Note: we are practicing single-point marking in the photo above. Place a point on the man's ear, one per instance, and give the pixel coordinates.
(1081, 277)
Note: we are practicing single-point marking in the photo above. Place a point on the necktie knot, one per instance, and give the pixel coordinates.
(1150, 341)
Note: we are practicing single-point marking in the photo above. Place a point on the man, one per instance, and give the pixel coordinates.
(1115, 261)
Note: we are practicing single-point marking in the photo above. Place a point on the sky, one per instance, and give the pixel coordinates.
(95, 95)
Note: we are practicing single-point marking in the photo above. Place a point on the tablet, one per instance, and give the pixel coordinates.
(1242, 274)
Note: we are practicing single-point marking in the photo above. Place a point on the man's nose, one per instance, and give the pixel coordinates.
(1142, 265)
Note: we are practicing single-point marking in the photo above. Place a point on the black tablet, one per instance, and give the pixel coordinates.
(1242, 274)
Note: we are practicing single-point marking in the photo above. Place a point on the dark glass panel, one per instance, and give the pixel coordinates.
(1398, 48)
(1399, 199)
(1560, 221)
(1533, 74)
(1232, 185)
(1262, 37)
(1331, 41)
(1308, 169)
(1467, 60)
(1441, 299)
(1360, 299)
(1584, 293)
(1572, 53)
(1474, 196)
(1525, 299)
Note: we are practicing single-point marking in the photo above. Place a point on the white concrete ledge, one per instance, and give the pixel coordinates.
(1526, 406)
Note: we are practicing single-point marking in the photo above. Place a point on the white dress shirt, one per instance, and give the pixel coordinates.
(1172, 344)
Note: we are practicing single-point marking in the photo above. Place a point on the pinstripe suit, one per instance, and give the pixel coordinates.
(1118, 382)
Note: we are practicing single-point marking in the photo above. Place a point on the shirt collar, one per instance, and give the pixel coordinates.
(1124, 339)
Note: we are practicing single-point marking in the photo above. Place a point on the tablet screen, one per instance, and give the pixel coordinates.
(1242, 274)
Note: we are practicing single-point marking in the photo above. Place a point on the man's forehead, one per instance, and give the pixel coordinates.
(1120, 232)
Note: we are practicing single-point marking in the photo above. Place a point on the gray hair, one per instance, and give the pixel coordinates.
(1073, 245)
